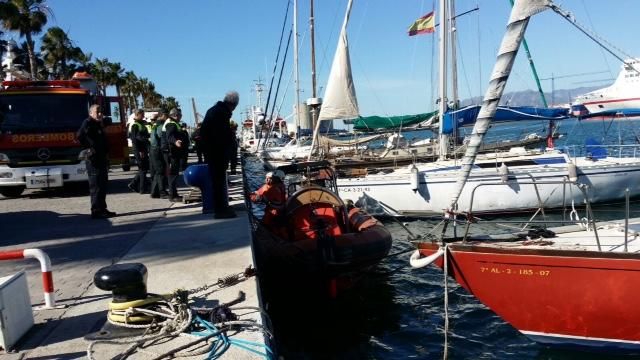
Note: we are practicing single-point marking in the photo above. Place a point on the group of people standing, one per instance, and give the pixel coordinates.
(161, 148)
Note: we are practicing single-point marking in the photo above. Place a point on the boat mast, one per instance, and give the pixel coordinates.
(518, 21)
(296, 107)
(454, 65)
(454, 58)
(442, 108)
(314, 102)
(535, 73)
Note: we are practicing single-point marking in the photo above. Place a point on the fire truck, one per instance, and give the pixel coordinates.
(38, 125)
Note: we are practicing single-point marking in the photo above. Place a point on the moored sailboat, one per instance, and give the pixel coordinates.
(424, 187)
(568, 286)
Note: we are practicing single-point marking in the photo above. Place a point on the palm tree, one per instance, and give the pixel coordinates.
(115, 76)
(131, 91)
(170, 102)
(100, 70)
(84, 60)
(59, 53)
(27, 17)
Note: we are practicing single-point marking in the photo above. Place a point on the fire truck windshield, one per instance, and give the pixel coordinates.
(26, 113)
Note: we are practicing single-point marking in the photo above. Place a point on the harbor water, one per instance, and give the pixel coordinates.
(398, 312)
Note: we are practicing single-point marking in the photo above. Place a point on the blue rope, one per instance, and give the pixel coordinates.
(268, 354)
(222, 343)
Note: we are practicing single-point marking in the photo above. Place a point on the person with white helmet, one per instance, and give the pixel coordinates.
(273, 194)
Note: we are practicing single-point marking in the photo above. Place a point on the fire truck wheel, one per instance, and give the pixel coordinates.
(126, 167)
(12, 191)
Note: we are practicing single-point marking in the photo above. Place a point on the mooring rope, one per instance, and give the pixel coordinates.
(445, 354)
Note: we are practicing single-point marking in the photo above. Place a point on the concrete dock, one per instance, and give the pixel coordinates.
(183, 249)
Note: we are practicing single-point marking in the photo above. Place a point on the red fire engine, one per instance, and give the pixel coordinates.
(38, 124)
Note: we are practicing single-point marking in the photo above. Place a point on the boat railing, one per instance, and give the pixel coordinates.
(589, 223)
(601, 151)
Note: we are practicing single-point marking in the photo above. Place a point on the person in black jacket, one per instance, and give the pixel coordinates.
(197, 141)
(218, 145)
(94, 140)
(139, 136)
(177, 144)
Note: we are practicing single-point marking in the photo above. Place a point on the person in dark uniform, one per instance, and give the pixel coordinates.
(176, 144)
(185, 152)
(217, 142)
(233, 157)
(93, 139)
(197, 142)
(139, 136)
(158, 168)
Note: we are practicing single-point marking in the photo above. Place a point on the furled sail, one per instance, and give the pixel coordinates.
(518, 21)
(376, 123)
(340, 100)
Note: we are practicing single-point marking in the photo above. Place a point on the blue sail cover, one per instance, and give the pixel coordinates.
(468, 115)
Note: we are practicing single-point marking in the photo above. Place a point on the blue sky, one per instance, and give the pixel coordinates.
(202, 48)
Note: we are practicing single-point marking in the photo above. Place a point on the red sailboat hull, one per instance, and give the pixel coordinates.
(555, 297)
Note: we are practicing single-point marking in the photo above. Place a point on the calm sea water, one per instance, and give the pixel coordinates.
(398, 312)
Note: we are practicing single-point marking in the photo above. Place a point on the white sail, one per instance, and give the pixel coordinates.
(520, 14)
(340, 100)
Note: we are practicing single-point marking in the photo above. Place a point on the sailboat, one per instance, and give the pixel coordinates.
(570, 286)
(423, 188)
(317, 238)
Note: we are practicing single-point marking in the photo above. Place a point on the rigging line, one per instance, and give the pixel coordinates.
(275, 67)
(593, 27)
(591, 35)
(460, 57)
(480, 82)
(284, 61)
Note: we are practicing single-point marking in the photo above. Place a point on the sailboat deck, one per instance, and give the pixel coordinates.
(611, 236)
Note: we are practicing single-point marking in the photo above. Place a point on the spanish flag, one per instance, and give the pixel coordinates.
(424, 25)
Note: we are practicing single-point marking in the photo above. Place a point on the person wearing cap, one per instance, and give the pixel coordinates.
(158, 168)
(176, 145)
(273, 195)
(139, 136)
(216, 139)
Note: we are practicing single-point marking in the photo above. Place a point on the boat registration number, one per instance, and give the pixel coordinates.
(355, 189)
(514, 271)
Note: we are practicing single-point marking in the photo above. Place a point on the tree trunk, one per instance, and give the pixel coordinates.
(32, 56)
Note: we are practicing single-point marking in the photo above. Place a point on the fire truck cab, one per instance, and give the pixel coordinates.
(38, 125)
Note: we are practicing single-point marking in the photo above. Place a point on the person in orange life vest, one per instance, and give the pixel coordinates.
(273, 194)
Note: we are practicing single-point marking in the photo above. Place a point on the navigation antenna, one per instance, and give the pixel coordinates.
(259, 89)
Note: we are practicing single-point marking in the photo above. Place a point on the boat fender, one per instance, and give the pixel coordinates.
(573, 171)
(504, 173)
(414, 178)
(360, 221)
(417, 262)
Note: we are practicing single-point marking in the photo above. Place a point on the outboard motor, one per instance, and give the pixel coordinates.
(127, 282)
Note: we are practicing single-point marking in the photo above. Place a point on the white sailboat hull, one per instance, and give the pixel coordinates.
(606, 179)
